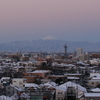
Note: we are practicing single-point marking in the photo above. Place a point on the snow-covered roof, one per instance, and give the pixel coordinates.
(24, 95)
(58, 75)
(71, 84)
(5, 78)
(92, 94)
(15, 97)
(31, 85)
(19, 67)
(74, 74)
(95, 76)
(95, 90)
(40, 71)
(3, 97)
(50, 84)
(61, 88)
(73, 78)
(17, 88)
(63, 64)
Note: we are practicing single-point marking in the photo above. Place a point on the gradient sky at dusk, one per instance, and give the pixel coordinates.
(72, 20)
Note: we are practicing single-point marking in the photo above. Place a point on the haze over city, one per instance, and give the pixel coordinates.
(49, 50)
(71, 20)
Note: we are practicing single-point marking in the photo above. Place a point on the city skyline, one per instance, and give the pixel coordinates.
(67, 20)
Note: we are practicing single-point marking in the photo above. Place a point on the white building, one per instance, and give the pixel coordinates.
(79, 51)
(20, 82)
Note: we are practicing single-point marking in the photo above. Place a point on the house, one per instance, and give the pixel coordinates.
(37, 74)
(30, 78)
(31, 86)
(54, 77)
(69, 90)
(20, 82)
(11, 90)
(94, 80)
(5, 80)
(92, 96)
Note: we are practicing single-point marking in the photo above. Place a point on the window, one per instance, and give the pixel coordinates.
(60, 93)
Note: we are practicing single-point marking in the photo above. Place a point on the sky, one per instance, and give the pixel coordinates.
(71, 20)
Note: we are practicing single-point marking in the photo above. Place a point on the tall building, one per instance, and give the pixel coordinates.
(79, 52)
(84, 57)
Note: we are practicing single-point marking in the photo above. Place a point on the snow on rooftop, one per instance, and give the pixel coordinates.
(95, 90)
(15, 97)
(73, 78)
(3, 97)
(31, 85)
(50, 84)
(74, 74)
(92, 94)
(72, 84)
(17, 88)
(96, 76)
(5, 78)
(40, 71)
(61, 88)
(63, 64)
(24, 95)
(82, 63)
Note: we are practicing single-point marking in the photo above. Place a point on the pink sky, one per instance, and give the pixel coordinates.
(35, 19)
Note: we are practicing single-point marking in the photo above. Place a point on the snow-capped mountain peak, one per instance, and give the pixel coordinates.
(49, 38)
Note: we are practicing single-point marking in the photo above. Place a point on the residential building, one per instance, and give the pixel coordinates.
(20, 82)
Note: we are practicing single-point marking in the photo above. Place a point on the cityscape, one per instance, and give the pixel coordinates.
(49, 50)
(50, 75)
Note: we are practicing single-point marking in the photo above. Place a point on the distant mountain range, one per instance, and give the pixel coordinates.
(48, 44)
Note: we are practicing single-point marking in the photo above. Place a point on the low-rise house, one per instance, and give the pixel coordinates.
(5, 80)
(19, 69)
(39, 92)
(94, 80)
(95, 61)
(20, 82)
(11, 90)
(69, 90)
(40, 73)
(31, 86)
(92, 96)
(54, 77)
(36, 76)
(30, 78)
